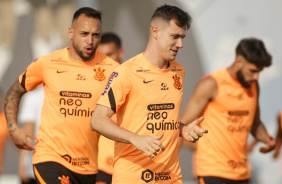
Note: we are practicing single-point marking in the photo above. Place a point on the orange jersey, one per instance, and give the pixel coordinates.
(71, 90)
(147, 101)
(229, 119)
(106, 155)
(4, 134)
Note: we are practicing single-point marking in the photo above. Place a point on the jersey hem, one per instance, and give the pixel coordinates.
(225, 177)
(67, 166)
(103, 170)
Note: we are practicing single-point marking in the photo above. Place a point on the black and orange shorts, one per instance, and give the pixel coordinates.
(55, 173)
(218, 180)
(103, 178)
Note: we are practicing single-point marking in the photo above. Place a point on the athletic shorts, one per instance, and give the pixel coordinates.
(217, 180)
(103, 178)
(55, 173)
(30, 181)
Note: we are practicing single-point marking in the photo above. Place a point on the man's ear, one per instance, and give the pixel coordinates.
(70, 33)
(239, 61)
(155, 31)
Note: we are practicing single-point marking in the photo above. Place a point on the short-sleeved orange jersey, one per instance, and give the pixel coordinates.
(229, 119)
(71, 90)
(147, 101)
(4, 134)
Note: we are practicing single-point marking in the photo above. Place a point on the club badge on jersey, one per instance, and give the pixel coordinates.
(99, 74)
(177, 84)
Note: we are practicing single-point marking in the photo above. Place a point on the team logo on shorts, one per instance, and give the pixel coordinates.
(99, 75)
(147, 175)
(64, 179)
(177, 84)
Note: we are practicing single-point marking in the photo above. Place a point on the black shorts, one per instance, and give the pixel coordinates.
(217, 180)
(31, 181)
(55, 173)
(103, 177)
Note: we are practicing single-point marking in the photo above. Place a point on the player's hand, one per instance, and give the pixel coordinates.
(269, 146)
(20, 137)
(150, 145)
(192, 132)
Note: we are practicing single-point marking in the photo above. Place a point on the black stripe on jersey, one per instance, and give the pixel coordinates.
(112, 100)
(23, 80)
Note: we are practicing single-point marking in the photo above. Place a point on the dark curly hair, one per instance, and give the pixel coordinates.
(254, 51)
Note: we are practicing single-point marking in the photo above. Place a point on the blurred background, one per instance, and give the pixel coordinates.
(30, 28)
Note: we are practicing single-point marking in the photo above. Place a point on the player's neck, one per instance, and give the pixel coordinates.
(232, 72)
(153, 57)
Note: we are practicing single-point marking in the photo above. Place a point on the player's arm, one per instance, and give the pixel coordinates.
(259, 131)
(101, 122)
(205, 91)
(12, 101)
(278, 138)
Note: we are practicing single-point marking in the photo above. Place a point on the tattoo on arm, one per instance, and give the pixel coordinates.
(12, 102)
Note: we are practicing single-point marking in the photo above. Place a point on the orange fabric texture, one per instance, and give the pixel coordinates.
(147, 101)
(106, 155)
(71, 90)
(229, 118)
(4, 134)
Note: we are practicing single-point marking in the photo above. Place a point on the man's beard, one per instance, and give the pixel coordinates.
(86, 57)
(242, 80)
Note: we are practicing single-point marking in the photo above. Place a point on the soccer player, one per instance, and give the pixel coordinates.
(228, 99)
(146, 94)
(110, 45)
(74, 77)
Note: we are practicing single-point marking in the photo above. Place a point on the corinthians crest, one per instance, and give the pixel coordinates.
(64, 179)
(177, 84)
(99, 75)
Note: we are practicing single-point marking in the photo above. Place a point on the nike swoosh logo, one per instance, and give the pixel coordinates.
(61, 71)
(145, 82)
